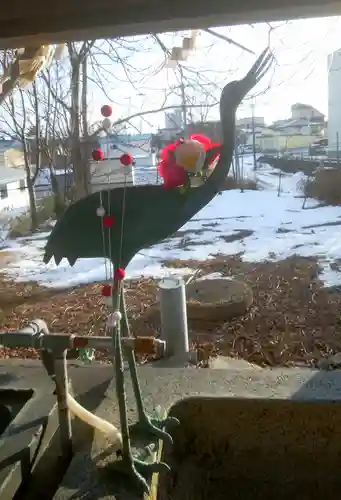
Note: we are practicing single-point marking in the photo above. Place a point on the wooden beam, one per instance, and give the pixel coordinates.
(25, 23)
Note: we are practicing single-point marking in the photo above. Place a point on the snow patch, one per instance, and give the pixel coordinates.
(269, 224)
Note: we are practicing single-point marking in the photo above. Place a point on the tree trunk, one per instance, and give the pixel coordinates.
(76, 153)
(84, 103)
(58, 202)
(31, 192)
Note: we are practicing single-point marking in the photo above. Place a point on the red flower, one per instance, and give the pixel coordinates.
(173, 175)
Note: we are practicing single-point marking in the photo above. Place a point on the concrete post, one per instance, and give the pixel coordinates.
(174, 330)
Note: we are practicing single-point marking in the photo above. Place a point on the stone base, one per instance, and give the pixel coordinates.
(165, 386)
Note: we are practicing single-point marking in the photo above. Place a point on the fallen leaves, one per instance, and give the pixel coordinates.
(293, 320)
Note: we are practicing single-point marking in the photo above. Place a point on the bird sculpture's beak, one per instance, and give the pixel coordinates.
(256, 73)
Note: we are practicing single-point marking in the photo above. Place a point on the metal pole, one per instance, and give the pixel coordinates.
(337, 148)
(183, 101)
(58, 342)
(173, 311)
(253, 135)
(62, 388)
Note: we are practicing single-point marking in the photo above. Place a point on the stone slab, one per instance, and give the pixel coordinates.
(31, 432)
(164, 386)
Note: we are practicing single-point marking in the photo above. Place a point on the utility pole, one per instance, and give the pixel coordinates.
(253, 134)
(183, 101)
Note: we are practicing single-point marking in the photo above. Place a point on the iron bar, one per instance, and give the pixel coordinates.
(62, 389)
(60, 342)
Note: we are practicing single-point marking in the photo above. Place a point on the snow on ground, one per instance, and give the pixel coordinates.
(261, 224)
(6, 219)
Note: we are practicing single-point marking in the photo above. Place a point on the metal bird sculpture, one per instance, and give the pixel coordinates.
(144, 216)
(151, 213)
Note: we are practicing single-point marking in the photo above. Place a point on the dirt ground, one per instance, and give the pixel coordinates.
(293, 321)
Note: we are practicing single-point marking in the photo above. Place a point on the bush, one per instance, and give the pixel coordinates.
(232, 183)
(324, 185)
(21, 226)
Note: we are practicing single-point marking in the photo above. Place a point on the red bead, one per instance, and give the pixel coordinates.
(106, 291)
(119, 274)
(98, 154)
(108, 220)
(106, 110)
(126, 159)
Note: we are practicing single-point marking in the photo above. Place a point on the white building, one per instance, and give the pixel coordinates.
(306, 112)
(334, 103)
(173, 119)
(247, 122)
(13, 191)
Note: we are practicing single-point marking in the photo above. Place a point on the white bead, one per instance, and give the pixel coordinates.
(100, 211)
(117, 315)
(113, 319)
(108, 301)
(106, 123)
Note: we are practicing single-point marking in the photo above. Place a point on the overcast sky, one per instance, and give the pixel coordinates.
(300, 75)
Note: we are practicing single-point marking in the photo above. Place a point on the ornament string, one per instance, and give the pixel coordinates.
(103, 239)
(130, 353)
(111, 264)
(117, 345)
(122, 219)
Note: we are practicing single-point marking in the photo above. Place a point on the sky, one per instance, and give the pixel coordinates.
(133, 77)
(299, 75)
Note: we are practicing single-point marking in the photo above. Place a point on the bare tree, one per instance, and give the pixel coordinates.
(20, 117)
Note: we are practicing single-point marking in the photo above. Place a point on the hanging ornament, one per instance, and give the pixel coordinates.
(106, 124)
(208, 145)
(178, 54)
(188, 44)
(106, 110)
(119, 274)
(108, 220)
(98, 154)
(173, 175)
(185, 157)
(113, 319)
(106, 291)
(126, 159)
(190, 155)
(100, 211)
(170, 63)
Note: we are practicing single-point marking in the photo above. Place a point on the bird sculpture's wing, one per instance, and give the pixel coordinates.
(146, 215)
(143, 215)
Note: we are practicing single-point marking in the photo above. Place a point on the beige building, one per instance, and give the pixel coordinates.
(248, 122)
(11, 157)
(306, 112)
(305, 125)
